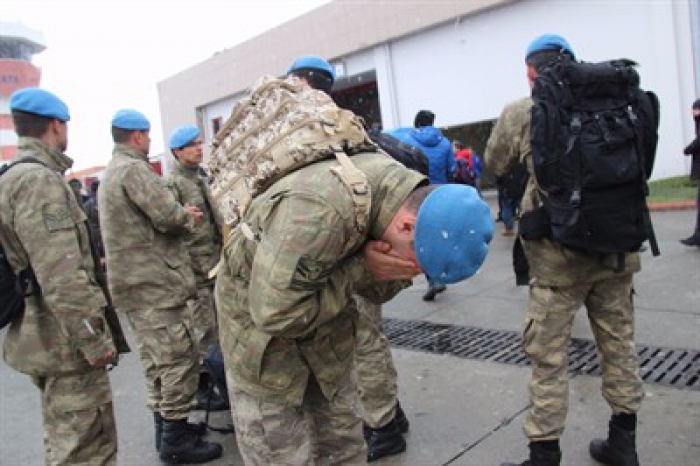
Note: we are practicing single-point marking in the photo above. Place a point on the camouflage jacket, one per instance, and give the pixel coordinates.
(204, 242)
(42, 226)
(551, 264)
(143, 229)
(285, 297)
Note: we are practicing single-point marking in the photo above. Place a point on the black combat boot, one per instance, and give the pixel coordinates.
(208, 399)
(180, 445)
(158, 422)
(620, 448)
(433, 291)
(541, 454)
(199, 429)
(401, 419)
(693, 240)
(384, 441)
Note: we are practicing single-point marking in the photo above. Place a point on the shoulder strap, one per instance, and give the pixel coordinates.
(25, 159)
(356, 182)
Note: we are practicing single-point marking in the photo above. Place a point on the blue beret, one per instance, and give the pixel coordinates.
(131, 120)
(182, 136)
(453, 230)
(549, 42)
(312, 62)
(39, 102)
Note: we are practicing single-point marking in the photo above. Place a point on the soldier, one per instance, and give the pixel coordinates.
(384, 420)
(285, 289)
(62, 339)
(204, 245)
(562, 280)
(151, 281)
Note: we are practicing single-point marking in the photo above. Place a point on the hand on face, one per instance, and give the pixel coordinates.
(384, 265)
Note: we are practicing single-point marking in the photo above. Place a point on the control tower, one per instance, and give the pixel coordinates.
(18, 44)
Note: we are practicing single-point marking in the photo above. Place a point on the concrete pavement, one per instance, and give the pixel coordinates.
(466, 411)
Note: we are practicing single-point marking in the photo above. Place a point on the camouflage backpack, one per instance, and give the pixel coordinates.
(281, 126)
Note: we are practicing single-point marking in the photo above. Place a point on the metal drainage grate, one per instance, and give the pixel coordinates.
(678, 368)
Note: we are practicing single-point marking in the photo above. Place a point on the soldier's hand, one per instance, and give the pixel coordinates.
(195, 214)
(385, 266)
(103, 360)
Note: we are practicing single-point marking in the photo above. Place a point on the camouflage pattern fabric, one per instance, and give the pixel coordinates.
(169, 357)
(204, 241)
(374, 366)
(204, 246)
(63, 327)
(204, 329)
(143, 228)
(562, 280)
(284, 298)
(79, 424)
(322, 432)
(280, 126)
(547, 337)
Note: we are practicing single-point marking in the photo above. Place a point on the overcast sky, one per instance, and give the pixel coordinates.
(103, 55)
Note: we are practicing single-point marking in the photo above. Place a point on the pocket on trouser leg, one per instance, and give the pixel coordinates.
(538, 305)
(269, 432)
(178, 370)
(79, 419)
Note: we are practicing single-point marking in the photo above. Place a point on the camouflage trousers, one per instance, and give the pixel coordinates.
(320, 432)
(547, 336)
(169, 358)
(205, 330)
(79, 427)
(374, 367)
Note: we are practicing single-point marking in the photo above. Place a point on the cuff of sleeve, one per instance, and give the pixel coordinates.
(97, 348)
(358, 272)
(97, 341)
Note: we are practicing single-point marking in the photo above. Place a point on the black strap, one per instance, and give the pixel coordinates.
(645, 209)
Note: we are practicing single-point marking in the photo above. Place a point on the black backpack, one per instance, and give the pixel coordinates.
(594, 137)
(408, 155)
(14, 288)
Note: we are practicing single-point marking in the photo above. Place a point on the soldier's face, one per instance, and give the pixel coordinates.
(191, 154)
(144, 141)
(61, 132)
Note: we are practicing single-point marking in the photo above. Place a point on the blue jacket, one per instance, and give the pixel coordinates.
(441, 159)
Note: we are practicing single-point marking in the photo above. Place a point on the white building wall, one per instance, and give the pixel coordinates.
(467, 70)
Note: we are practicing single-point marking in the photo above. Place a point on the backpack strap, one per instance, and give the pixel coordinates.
(356, 182)
(25, 159)
(646, 216)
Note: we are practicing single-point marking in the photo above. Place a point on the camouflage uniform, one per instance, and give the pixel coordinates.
(150, 277)
(374, 366)
(562, 280)
(204, 245)
(286, 317)
(63, 325)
